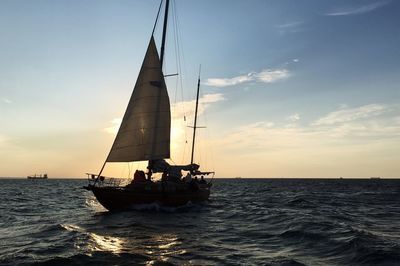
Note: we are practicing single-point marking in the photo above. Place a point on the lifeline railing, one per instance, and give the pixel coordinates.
(103, 181)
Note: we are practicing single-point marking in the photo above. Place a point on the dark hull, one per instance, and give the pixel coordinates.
(119, 198)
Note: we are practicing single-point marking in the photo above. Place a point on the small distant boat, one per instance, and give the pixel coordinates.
(35, 176)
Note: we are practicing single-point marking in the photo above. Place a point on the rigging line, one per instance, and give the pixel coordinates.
(155, 24)
(122, 172)
(179, 81)
(195, 116)
(179, 55)
(177, 59)
(164, 34)
(158, 14)
(204, 153)
(154, 27)
(129, 170)
(210, 148)
(209, 155)
(176, 39)
(183, 73)
(175, 48)
(176, 65)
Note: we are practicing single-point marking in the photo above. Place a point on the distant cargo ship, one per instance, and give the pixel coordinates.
(35, 176)
(375, 177)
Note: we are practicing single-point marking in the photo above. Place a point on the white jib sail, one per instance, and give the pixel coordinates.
(144, 133)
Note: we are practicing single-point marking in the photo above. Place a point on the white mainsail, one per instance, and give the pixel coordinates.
(144, 133)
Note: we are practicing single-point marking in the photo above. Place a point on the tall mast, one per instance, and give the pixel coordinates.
(195, 117)
(164, 33)
(161, 63)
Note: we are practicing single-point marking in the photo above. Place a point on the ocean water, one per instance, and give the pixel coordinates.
(246, 222)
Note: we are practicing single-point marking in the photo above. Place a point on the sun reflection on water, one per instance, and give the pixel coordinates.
(166, 242)
(105, 243)
(164, 245)
(159, 247)
(92, 203)
(95, 242)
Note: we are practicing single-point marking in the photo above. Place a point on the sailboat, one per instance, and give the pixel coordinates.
(144, 135)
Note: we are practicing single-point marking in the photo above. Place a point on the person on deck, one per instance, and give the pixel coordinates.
(149, 174)
(188, 178)
(164, 177)
(173, 171)
(139, 176)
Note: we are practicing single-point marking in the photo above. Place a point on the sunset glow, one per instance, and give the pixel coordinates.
(307, 92)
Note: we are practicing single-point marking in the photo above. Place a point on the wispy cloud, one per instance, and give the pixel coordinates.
(266, 76)
(350, 114)
(178, 110)
(292, 24)
(115, 124)
(357, 10)
(290, 27)
(179, 125)
(187, 108)
(269, 76)
(224, 82)
(6, 100)
(337, 128)
(353, 147)
(294, 117)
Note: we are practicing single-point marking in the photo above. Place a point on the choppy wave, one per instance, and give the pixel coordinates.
(252, 222)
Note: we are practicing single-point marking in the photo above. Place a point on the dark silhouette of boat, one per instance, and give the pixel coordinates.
(164, 193)
(144, 135)
(375, 177)
(35, 176)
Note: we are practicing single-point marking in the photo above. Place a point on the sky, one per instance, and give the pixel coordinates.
(289, 88)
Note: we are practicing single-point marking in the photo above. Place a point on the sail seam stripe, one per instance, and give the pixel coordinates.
(136, 145)
(140, 114)
(143, 97)
(141, 128)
